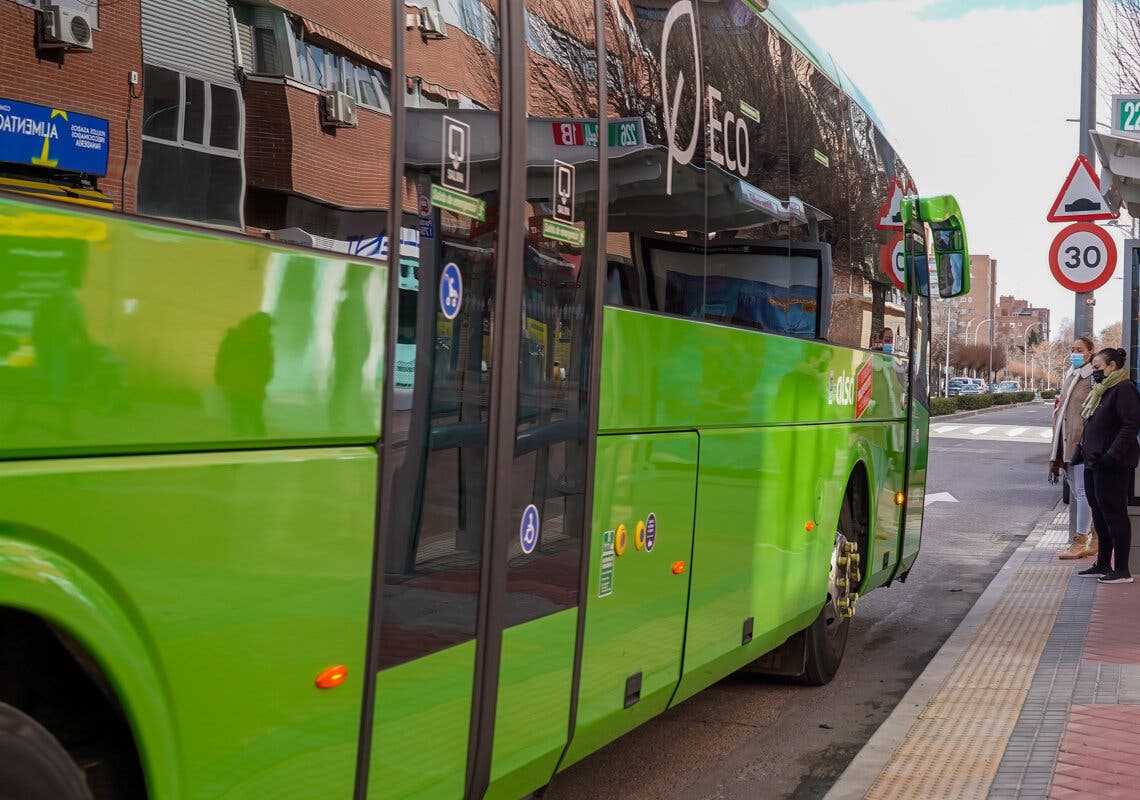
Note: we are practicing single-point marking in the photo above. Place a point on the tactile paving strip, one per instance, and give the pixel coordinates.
(954, 749)
(1027, 764)
(1052, 541)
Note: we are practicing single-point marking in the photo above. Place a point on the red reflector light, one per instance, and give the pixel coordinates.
(332, 677)
(678, 567)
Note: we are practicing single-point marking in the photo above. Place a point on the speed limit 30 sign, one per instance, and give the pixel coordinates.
(892, 260)
(1082, 257)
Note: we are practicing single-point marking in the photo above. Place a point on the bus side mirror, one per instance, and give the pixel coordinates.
(943, 218)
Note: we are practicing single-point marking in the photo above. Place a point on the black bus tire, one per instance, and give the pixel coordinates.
(33, 764)
(826, 637)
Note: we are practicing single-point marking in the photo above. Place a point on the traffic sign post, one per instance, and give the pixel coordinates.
(892, 261)
(1082, 257)
(890, 217)
(1080, 199)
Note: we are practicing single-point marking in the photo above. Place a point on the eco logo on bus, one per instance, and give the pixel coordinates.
(732, 149)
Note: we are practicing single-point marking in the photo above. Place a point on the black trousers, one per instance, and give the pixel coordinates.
(1107, 491)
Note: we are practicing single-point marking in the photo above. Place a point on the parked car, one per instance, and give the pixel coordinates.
(981, 384)
(1007, 386)
(954, 386)
(970, 388)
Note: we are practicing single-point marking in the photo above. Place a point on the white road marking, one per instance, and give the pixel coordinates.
(994, 433)
(940, 497)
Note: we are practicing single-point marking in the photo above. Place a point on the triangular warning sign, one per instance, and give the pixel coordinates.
(1080, 199)
(890, 215)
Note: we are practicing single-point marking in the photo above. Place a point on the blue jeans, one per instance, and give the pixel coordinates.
(1075, 475)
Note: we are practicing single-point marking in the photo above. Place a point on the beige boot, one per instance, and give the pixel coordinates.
(1076, 549)
(1091, 546)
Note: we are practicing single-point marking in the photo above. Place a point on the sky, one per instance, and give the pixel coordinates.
(975, 95)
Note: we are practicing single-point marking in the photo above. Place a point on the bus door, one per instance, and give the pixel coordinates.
(483, 497)
(918, 405)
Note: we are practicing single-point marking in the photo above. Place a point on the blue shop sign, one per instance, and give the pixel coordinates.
(40, 136)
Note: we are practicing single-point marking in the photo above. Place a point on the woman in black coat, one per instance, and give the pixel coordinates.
(1110, 451)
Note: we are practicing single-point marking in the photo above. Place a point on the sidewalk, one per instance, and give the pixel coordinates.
(1035, 695)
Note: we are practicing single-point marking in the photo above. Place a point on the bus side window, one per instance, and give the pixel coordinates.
(749, 279)
(818, 218)
(867, 299)
(621, 284)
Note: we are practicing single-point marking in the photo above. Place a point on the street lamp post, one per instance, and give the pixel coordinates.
(1025, 352)
(977, 330)
(946, 375)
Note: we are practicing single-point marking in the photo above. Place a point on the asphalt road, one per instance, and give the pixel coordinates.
(749, 738)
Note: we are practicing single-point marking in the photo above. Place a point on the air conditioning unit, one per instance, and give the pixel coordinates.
(66, 28)
(338, 110)
(432, 24)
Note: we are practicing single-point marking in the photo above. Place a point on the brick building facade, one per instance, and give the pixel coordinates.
(95, 83)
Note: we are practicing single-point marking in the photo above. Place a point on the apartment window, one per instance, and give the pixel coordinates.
(276, 47)
(560, 47)
(325, 69)
(191, 160)
(479, 22)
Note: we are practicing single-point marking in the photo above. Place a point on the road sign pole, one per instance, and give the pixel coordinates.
(1083, 308)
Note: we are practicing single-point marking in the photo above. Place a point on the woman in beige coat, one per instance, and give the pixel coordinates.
(1068, 425)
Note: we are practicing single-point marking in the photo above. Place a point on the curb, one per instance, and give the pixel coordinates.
(986, 410)
(861, 774)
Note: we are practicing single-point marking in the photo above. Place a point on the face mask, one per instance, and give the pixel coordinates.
(1098, 375)
(1077, 360)
(888, 347)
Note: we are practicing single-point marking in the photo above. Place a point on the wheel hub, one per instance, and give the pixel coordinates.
(843, 580)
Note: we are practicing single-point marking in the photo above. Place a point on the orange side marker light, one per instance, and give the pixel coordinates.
(809, 526)
(332, 677)
(678, 567)
(900, 498)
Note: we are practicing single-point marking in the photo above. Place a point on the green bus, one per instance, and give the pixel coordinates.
(656, 287)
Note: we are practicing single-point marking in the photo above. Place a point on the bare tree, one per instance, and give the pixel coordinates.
(1110, 336)
(1119, 50)
(975, 357)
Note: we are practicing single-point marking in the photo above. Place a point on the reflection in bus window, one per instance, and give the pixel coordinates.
(745, 284)
(444, 363)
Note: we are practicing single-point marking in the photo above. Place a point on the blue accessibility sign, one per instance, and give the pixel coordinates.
(53, 138)
(528, 529)
(451, 291)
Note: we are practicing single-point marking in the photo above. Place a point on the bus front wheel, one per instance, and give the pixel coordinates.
(33, 764)
(826, 638)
